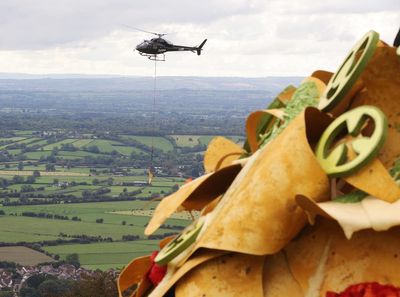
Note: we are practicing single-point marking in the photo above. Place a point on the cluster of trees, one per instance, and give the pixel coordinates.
(130, 237)
(173, 227)
(161, 236)
(88, 238)
(99, 284)
(44, 215)
(18, 179)
(67, 239)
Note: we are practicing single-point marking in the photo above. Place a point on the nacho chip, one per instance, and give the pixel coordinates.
(286, 94)
(175, 274)
(263, 122)
(277, 279)
(193, 195)
(307, 95)
(382, 88)
(135, 274)
(322, 259)
(221, 152)
(253, 122)
(264, 192)
(369, 213)
(229, 275)
(322, 75)
(375, 180)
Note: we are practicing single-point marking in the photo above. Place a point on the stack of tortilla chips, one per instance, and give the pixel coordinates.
(308, 207)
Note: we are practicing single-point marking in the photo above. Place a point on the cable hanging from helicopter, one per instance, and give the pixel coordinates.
(152, 49)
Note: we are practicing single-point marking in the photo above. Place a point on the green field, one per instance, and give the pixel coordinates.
(28, 140)
(27, 133)
(193, 140)
(81, 174)
(89, 212)
(106, 255)
(160, 143)
(58, 144)
(82, 142)
(186, 140)
(37, 155)
(127, 150)
(13, 228)
(12, 139)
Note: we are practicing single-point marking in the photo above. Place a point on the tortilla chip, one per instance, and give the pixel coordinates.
(287, 94)
(221, 152)
(322, 259)
(135, 273)
(197, 259)
(278, 280)
(382, 88)
(264, 192)
(193, 195)
(260, 123)
(226, 276)
(321, 86)
(375, 180)
(370, 213)
(253, 123)
(322, 75)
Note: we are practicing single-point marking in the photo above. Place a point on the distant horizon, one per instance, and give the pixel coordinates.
(94, 75)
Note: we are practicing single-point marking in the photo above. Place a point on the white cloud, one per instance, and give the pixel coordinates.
(246, 38)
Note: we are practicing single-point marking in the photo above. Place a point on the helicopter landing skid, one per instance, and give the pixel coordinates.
(154, 57)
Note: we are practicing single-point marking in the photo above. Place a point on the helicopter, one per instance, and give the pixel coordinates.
(159, 46)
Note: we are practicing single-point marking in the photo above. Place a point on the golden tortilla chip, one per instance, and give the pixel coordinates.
(221, 152)
(173, 275)
(382, 88)
(259, 122)
(375, 180)
(193, 195)
(252, 125)
(254, 119)
(287, 94)
(369, 213)
(260, 204)
(226, 276)
(322, 75)
(322, 259)
(278, 280)
(320, 84)
(135, 273)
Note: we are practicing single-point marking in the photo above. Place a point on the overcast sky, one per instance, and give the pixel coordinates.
(245, 37)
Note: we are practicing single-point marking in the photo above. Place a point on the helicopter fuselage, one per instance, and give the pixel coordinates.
(156, 46)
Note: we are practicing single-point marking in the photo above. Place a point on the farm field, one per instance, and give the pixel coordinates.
(23, 255)
(44, 175)
(193, 140)
(119, 219)
(158, 142)
(90, 212)
(106, 255)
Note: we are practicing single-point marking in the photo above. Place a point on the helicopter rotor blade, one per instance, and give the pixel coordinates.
(138, 29)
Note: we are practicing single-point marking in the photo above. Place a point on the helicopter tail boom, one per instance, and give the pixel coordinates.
(198, 49)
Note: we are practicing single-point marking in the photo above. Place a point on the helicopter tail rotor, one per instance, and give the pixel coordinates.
(199, 48)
